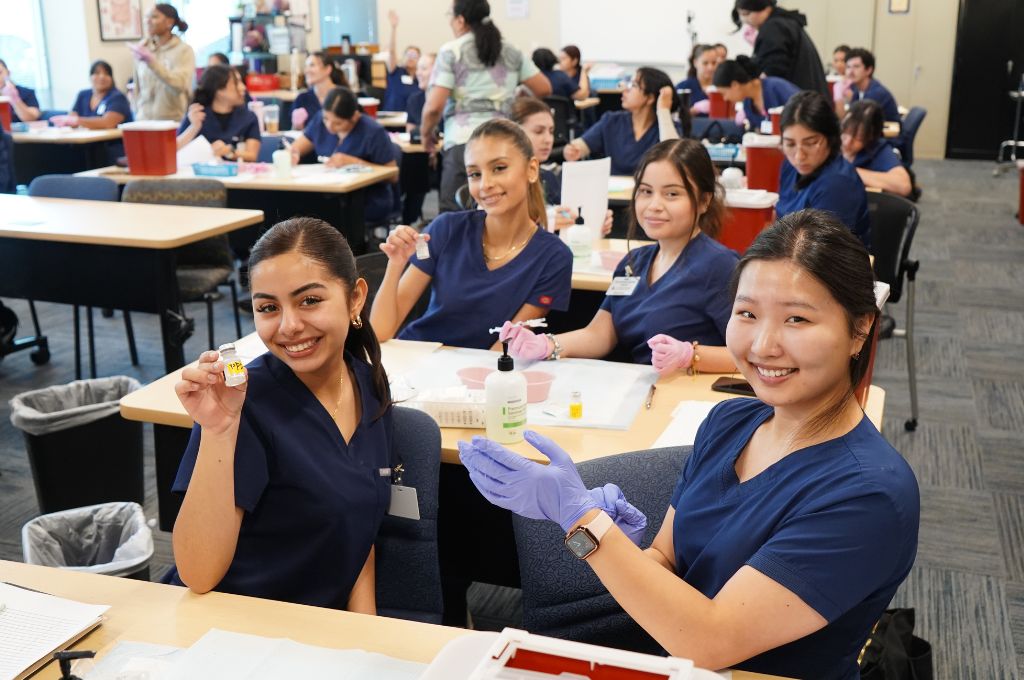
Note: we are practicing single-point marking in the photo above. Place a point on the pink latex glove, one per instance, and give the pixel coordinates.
(299, 118)
(10, 91)
(703, 106)
(141, 52)
(523, 343)
(67, 120)
(668, 354)
(749, 34)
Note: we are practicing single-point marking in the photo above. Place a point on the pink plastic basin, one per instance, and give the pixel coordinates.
(538, 383)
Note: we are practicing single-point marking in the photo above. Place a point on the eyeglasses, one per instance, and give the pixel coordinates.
(809, 145)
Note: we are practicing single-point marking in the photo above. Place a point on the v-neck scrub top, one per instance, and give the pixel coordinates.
(689, 302)
(612, 136)
(313, 504)
(835, 523)
(466, 298)
(835, 188)
(775, 92)
(114, 100)
(238, 126)
(881, 157)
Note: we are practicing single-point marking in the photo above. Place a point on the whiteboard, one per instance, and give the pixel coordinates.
(655, 32)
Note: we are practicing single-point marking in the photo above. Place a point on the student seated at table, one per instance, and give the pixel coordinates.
(877, 163)
(860, 71)
(219, 114)
(738, 81)
(282, 496)
(842, 83)
(401, 81)
(322, 75)
(415, 190)
(342, 135)
(221, 59)
(562, 85)
(101, 107)
(675, 313)
(24, 105)
(570, 63)
(535, 118)
(486, 265)
(814, 173)
(703, 61)
(414, 104)
(793, 521)
(646, 118)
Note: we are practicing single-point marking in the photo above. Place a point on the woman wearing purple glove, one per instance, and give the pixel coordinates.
(24, 105)
(793, 521)
(165, 67)
(674, 305)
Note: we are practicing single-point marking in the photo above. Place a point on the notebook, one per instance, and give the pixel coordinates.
(34, 625)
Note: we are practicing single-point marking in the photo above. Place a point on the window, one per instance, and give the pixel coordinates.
(354, 18)
(208, 25)
(23, 47)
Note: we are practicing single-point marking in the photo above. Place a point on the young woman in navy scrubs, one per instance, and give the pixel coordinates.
(814, 173)
(562, 85)
(342, 134)
(570, 63)
(101, 107)
(322, 75)
(703, 61)
(738, 81)
(218, 112)
(625, 136)
(401, 81)
(24, 105)
(877, 163)
(793, 521)
(485, 266)
(680, 306)
(281, 477)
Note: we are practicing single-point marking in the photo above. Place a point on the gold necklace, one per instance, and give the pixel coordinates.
(513, 249)
(337, 405)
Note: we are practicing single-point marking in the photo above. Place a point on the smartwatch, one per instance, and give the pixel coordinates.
(585, 539)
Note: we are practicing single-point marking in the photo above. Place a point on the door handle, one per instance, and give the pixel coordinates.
(1009, 67)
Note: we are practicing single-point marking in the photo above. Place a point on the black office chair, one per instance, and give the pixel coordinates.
(268, 145)
(464, 199)
(893, 222)
(908, 132)
(562, 597)
(408, 568)
(564, 112)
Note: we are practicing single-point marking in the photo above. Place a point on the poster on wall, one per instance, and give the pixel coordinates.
(518, 9)
(120, 19)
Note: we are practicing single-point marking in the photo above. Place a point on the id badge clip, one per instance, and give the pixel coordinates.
(404, 501)
(623, 286)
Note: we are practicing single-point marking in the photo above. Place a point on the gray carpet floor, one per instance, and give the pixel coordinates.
(968, 582)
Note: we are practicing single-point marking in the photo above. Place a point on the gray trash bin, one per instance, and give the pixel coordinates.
(80, 449)
(110, 538)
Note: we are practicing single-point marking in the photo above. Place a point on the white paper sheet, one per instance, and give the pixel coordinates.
(682, 429)
(196, 151)
(585, 185)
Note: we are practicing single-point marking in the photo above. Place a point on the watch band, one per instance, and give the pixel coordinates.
(600, 525)
(584, 540)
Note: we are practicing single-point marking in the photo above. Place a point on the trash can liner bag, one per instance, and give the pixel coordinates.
(60, 407)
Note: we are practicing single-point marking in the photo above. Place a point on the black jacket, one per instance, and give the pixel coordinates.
(783, 49)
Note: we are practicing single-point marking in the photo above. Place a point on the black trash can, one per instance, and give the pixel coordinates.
(81, 451)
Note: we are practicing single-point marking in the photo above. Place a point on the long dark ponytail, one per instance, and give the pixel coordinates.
(325, 245)
(486, 36)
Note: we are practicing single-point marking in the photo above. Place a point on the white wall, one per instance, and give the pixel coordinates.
(69, 63)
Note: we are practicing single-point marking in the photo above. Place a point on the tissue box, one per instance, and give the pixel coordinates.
(215, 169)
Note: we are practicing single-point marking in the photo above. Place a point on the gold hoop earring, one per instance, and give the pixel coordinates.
(357, 322)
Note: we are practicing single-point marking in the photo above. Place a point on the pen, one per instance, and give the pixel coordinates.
(650, 397)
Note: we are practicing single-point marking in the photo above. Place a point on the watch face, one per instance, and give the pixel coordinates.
(580, 543)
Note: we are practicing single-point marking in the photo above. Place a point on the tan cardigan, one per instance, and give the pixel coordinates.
(163, 86)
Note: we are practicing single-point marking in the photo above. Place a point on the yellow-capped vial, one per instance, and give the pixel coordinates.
(576, 405)
(234, 371)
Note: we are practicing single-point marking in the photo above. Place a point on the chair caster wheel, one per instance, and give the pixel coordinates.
(910, 425)
(40, 356)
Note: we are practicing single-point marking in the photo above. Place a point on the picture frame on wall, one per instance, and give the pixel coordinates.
(120, 20)
(899, 6)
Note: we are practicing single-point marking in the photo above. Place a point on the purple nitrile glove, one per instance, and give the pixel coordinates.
(529, 489)
(299, 118)
(627, 517)
(669, 354)
(524, 343)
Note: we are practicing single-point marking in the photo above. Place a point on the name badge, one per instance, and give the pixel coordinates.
(404, 502)
(407, 79)
(623, 285)
(101, 109)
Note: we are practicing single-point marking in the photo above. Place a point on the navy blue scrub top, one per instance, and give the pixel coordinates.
(400, 85)
(697, 93)
(552, 184)
(836, 187)
(466, 298)
(561, 84)
(307, 100)
(324, 141)
(612, 136)
(835, 523)
(880, 158)
(28, 96)
(689, 302)
(114, 100)
(776, 92)
(313, 504)
(238, 126)
(414, 107)
(879, 94)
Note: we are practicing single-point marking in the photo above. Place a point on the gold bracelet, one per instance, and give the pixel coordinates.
(693, 368)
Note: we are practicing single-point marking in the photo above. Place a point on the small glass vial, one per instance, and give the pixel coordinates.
(575, 405)
(234, 371)
(422, 249)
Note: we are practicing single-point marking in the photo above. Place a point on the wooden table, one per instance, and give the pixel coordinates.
(343, 191)
(104, 254)
(54, 135)
(280, 95)
(588, 103)
(393, 120)
(60, 151)
(171, 615)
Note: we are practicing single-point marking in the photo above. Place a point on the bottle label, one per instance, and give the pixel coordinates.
(235, 367)
(513, 415)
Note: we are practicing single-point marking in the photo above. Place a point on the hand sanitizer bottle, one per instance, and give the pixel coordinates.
(580, 239)
(505, 401)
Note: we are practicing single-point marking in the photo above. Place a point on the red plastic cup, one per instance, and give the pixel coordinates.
(5, 114)
(370, 105)
(150, 147)
(718, 108)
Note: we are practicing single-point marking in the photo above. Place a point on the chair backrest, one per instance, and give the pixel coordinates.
(371, 266)
(563, 110)
(69, 186)
(562, 597)
(201, 193)
(908, 131)
(464, 199)
(894, 221)
(268, 145)
(407, 565)
(8, 184)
